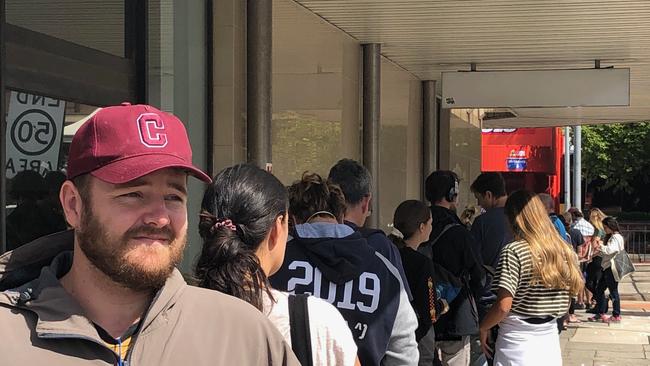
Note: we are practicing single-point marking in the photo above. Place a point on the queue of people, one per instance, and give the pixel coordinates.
(288, 275)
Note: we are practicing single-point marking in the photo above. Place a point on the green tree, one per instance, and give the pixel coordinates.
(617, 153)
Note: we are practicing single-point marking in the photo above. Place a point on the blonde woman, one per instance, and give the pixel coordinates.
(593, 263)
(596, 217)
(536, 275)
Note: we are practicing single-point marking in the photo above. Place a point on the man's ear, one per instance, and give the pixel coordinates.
(488, 195)
(365, 203)
(71, 203)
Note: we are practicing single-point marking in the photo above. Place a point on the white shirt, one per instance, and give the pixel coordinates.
(584, 226)
(331, 339)
(614, 245)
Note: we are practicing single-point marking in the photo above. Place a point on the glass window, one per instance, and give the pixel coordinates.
(38, 134)
(97, 24)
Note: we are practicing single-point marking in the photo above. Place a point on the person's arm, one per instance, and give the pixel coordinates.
(424, 296)
(495, 315)
(477, 234)
(402, 346)
(614, 245)
(474, 263)
(560, 229)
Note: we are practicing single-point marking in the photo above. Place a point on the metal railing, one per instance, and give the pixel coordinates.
(637, 240)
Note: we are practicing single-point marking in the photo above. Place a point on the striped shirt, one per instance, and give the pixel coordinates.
(515, 272)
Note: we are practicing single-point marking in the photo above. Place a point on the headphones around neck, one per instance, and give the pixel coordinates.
(453, 191)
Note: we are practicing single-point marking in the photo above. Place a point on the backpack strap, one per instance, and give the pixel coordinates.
(299, 324)
(427, 249)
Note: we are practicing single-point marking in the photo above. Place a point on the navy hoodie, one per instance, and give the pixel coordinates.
(333, 262)
(378, 240)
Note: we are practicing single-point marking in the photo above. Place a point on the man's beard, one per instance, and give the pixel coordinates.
(110, 255)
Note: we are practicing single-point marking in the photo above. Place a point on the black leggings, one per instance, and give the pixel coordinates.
(594, 274)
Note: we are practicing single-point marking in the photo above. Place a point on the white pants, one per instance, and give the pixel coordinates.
(454, 353)
(522, 343)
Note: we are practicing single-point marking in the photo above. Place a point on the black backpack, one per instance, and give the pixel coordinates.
(463, 316)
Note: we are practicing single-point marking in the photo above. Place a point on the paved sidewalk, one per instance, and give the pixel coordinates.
(626, 343)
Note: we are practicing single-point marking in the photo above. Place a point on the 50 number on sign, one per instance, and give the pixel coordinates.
(33, 132)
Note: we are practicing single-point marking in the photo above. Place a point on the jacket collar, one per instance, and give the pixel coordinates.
(59, 315)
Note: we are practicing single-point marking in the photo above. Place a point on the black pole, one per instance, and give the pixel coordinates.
(429, 130)
(259, 40)
(209, 11)
(3, 124)
(371, 122)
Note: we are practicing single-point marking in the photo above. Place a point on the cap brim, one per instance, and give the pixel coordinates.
(128, 169)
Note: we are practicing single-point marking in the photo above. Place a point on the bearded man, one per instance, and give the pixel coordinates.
(108, 292)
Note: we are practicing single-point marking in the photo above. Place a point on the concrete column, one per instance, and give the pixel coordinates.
(429, 130)
(444, 140)
(3, 113)
(577, 167)
(567, 167)
(371, 122)
(259, 39)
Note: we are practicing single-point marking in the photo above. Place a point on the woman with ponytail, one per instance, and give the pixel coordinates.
(244, 227)
(412, 227)
(535, 276)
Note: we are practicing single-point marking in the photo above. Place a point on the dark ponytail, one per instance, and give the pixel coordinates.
(612, 224)
(238, 210)
(407, 219)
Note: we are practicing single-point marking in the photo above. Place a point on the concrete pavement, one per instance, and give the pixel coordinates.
(626, 343)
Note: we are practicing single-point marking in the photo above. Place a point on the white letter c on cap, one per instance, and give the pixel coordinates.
(152, 130)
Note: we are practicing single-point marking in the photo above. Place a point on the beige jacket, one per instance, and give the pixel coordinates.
(40, 324)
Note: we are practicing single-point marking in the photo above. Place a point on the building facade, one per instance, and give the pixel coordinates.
(202, 61)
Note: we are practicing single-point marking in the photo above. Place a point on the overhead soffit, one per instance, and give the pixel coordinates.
(428, 37)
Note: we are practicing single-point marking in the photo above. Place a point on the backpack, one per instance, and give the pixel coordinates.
(299, 325)
(448, 286)
(456, 291)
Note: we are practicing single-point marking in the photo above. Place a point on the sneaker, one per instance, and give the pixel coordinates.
(615, 319)
(595, 318)
(605, 318)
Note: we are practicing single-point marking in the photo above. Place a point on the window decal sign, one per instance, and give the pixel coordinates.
(34, 133)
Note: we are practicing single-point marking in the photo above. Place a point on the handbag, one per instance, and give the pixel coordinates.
(299, 325)
(621, 265)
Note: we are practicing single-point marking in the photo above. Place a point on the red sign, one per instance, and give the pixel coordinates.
(520, 150)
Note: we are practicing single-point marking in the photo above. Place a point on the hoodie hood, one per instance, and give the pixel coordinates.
(335, 249)
(442, 217)
(25, 263)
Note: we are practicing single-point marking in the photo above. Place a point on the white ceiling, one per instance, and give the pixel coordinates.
(427, 37)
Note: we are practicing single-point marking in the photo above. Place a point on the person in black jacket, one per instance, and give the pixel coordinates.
(412, 227)
(452, 246)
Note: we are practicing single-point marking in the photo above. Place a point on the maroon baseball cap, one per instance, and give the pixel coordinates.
(122, 143)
